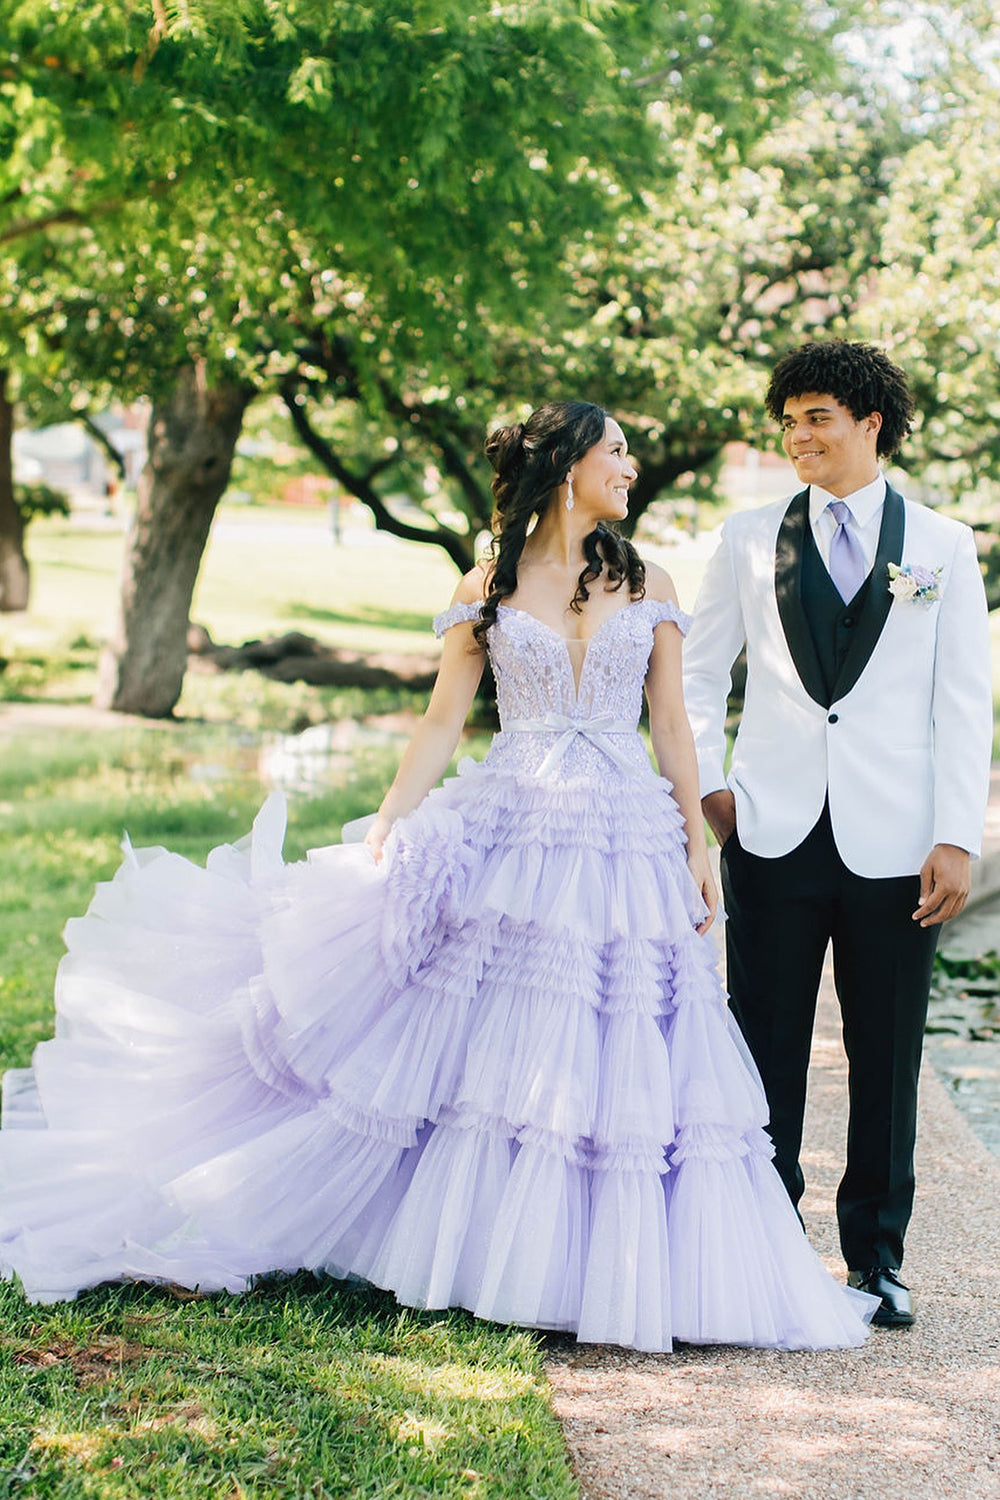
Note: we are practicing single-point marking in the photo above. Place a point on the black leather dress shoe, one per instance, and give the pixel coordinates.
(896, 1310)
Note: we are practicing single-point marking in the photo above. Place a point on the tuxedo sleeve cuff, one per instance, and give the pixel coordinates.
(711, 778)
(972, 847)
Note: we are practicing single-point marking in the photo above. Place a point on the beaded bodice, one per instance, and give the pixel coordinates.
(536, 681)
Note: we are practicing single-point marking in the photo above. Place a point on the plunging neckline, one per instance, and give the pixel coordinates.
(569, 640)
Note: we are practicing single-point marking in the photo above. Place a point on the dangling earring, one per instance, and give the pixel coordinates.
(570, 502)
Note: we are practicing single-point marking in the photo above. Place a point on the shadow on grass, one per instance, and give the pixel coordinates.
(301, 1386)
(385, 619)
(74, 565)
(39, 695)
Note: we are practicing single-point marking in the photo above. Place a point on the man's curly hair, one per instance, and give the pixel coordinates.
(860, 376)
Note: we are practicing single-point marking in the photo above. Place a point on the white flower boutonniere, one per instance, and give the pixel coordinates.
(913, 581)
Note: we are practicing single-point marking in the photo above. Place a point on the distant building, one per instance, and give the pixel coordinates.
(67, 457)
(751, 476)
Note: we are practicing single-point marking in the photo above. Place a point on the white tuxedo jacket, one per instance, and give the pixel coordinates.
(902, 748)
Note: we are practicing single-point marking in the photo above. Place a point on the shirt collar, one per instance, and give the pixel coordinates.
(864, 503)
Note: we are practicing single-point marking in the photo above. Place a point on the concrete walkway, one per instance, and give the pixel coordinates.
(69, 718)
(913, 1414)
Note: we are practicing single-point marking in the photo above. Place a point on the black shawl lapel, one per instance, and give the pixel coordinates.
(788, 589)
(878, 601)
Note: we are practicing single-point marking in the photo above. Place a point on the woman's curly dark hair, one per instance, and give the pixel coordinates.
(531, 460)
(861, 377)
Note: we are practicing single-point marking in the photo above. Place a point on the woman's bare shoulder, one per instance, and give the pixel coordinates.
(472, 588)
(659, 584)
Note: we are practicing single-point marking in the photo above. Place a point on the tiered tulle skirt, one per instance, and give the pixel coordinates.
(496, 1072)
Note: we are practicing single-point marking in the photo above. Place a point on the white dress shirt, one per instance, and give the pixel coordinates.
(866, 518)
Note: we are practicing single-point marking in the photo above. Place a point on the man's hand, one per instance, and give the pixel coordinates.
(719, 809)
(944, 885)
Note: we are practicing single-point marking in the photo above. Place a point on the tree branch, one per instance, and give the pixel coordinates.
(677, 66)
(458, 547)
(655, 475)
(379, 467)
(335, 359)
(21, 228)
(459, 470)
(434, 422)
(101, 438)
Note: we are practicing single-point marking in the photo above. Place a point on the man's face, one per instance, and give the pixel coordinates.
(827, 446)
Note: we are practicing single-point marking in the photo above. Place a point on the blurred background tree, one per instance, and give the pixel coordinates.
(411, 221)
(103, 109)
(935, 300)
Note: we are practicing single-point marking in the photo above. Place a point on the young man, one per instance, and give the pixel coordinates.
(859, 776)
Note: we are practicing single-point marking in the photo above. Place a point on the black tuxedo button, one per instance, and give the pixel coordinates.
(833, 718)
(848, 621)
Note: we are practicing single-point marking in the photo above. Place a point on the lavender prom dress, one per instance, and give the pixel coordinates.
(496, 1071)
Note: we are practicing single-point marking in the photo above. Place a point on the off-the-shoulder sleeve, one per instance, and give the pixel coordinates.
(456, 614)
(663, 610)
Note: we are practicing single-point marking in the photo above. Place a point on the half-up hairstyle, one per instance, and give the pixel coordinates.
(531, 460)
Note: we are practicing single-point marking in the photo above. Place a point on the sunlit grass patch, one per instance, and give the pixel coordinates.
(83, 1447)
(63, 673)
(459, 1381)
(263, 573)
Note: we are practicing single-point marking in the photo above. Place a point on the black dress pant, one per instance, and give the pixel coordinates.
(783, 913)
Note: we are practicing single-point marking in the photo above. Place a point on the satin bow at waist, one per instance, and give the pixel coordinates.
(595, 730)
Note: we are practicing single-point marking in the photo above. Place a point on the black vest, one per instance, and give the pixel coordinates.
(831, 622)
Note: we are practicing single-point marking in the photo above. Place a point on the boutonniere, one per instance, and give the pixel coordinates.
(913, 581)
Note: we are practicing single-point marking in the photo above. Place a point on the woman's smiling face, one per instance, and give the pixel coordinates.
(601, 478)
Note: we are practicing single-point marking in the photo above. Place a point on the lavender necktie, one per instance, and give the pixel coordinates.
(848, 568)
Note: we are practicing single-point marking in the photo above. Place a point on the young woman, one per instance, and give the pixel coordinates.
(484, 1060)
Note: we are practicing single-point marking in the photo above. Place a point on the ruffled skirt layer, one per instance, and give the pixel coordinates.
(496, 1071)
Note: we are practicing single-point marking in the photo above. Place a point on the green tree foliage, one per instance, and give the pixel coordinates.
(40, 500)
(871, 213)
(414, 219)
(632, 319)
(671, 322)
(429, 153)
(933, 294)
(103, 109)
(936, 300)
(241, 184)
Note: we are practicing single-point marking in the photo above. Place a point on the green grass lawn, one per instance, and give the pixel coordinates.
(302, 1387)
(265, 570)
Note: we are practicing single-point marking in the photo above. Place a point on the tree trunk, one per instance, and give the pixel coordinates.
(14, 578)
(192, 437)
